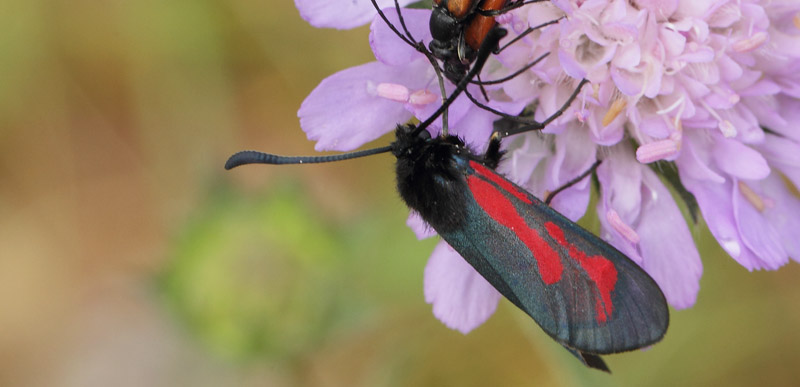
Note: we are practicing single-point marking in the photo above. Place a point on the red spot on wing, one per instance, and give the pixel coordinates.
(500, 208)
(600, 270)
(499, 180)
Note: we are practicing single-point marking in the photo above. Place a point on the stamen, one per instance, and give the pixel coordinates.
(674, 105)
(725, 126)
(581, 115)
(422, 97)
(623, 229)
(393, 91)
(796, 20)
(657, 150)
(613, 111)
(679, 104)
(751, 43)
(755, 199)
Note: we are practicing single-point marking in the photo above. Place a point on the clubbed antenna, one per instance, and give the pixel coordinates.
(254, 157)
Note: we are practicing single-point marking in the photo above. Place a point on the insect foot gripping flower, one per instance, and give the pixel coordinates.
(700, 94)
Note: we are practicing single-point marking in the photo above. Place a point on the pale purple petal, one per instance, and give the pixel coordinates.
(782, 212)
(607, 135)
(716, 205)
(474, 128)
(612, 234)
(570, 65)
(421, 228)
(628, 58)
(695, 161)
(629, 83)
(789, 109)
(620, 192)
(621, 178)
(574, 155)
(344, 112)
(461, 298)
(757, 233)
(784, 154)
(662, 8)
(388, 47)
(668, 251)
(519, 166)
(341, 14)
(739, 160)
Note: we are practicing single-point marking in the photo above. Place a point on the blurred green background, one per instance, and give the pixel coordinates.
(130, 258)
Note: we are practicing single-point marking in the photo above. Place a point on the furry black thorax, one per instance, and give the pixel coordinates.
(431, 174)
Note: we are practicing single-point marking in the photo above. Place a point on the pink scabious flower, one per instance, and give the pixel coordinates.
(702, 94)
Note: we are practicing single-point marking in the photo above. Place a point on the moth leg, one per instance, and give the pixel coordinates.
(572, 182)
(518, 124)
(493, 153)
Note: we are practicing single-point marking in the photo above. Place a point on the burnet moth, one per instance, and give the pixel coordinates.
(584, 293)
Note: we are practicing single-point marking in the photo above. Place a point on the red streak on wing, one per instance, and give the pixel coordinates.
(499, 180)
(600, 270)
(500, 208)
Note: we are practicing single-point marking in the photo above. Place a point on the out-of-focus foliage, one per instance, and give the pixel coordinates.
(257, 275)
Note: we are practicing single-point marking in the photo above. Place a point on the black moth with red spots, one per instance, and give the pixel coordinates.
(584, 293)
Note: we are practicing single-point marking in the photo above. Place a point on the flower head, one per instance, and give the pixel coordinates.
(701, 95)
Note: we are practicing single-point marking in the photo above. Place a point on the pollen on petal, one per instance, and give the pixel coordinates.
(422, 97)
(796, 20)
(621, 227)
(614, 111)
(657, 150)
(392, 91)
(751, 43)
(755, 199)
